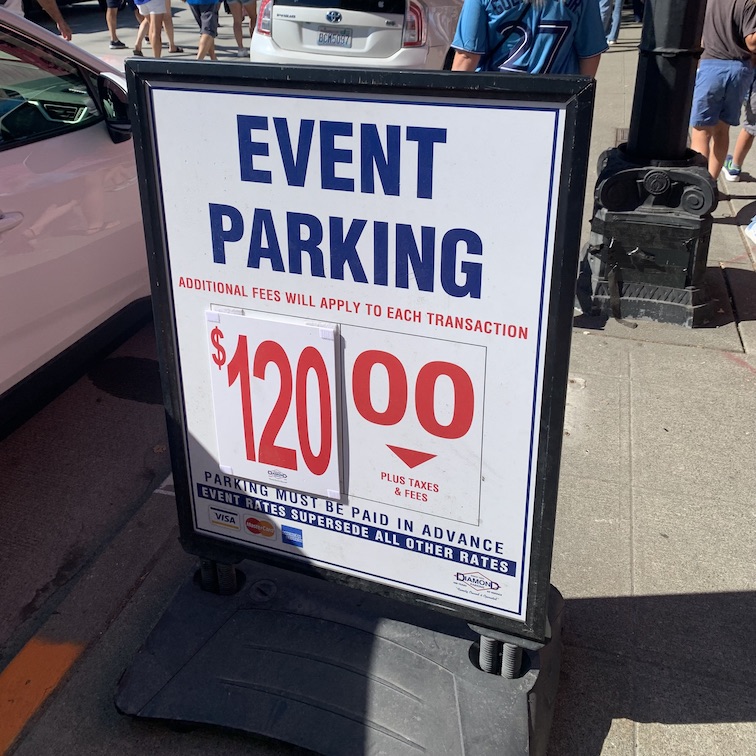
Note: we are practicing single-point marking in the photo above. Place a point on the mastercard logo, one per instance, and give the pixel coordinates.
(260, 527)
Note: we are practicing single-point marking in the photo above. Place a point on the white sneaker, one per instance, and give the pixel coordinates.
(731, 172)
(241, 53)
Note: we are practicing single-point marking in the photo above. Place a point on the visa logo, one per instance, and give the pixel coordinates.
(223, 518)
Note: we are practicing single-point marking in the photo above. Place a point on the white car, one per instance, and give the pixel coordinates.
(73, 265)
(365, 33)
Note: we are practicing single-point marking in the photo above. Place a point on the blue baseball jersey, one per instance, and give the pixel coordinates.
(548, 38)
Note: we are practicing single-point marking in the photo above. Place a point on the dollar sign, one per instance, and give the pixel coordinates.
(219, 358)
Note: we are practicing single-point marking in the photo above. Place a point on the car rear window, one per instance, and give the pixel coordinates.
(366, 6)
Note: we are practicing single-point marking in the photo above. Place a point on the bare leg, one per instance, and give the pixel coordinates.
(251, 10)
(206, 47)
(742, 147)
(720, 144)
(168, 24)
(699, 139)
(237, 13)
(48, 216)
(143, 31)
(156, 40)
(111, 16)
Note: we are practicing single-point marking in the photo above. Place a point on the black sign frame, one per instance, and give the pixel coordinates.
(575, 94)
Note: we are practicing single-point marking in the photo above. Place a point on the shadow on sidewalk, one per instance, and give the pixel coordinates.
(743, 216)
(685, 659)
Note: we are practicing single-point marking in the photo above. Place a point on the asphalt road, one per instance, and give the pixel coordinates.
(87, 23)
(72, 476)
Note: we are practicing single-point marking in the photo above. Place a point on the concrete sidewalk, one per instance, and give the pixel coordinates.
(655, 540)
(654, 548)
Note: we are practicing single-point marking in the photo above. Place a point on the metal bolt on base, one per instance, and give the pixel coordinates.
(226, 579)
(208, 576)
(489, 655)
(511, 661)
(498, 658)
(218, 578)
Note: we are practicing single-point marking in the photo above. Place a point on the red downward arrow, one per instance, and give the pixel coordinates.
(410, 457)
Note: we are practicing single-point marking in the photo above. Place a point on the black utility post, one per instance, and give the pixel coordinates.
(654, 196)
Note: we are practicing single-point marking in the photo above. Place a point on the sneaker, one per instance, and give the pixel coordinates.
(730, 170)
(117, 45)
(241, 53)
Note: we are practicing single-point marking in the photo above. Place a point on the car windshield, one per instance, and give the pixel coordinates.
(39, 92)
(366, 6)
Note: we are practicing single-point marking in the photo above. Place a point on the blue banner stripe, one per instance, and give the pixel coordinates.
(393, 538)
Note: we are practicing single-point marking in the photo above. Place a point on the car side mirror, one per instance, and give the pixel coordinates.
(115, 106)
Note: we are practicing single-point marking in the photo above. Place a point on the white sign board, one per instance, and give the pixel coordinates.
(360, 289)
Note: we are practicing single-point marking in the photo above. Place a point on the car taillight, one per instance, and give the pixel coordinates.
(264, 16)
(414, 26)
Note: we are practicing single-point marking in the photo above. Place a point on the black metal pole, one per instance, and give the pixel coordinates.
(646, 258)
(669, 51)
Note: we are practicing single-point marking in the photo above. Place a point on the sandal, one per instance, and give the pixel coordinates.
(137, 53)
(177, 50)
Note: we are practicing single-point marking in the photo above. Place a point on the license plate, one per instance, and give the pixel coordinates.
(334, 37)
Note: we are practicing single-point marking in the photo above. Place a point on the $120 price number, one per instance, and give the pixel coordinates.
(292, 384)
(286, 366)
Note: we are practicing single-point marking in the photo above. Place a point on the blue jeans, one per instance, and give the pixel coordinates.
(605, 8)
(613, 31)
(611, 13)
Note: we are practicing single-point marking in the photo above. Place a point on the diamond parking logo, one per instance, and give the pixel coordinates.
(477, 581)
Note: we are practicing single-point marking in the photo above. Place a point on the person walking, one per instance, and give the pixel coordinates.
(518, 35)
(169, 31)
(142, 32)
(111, 19)
(206, 16)
(615, 20)
(166, 23)
(724, 74)
(734, 163)
(49, 6)
(237, 9)
(155, 11)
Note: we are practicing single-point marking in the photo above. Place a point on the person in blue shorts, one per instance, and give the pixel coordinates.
(533, 36)
(724, 74)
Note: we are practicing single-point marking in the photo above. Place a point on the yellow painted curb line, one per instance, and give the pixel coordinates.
(28, 680)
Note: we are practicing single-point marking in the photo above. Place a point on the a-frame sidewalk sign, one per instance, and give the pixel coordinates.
(363, 290)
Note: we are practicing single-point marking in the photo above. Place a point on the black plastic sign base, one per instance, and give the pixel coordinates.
(338, 671)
